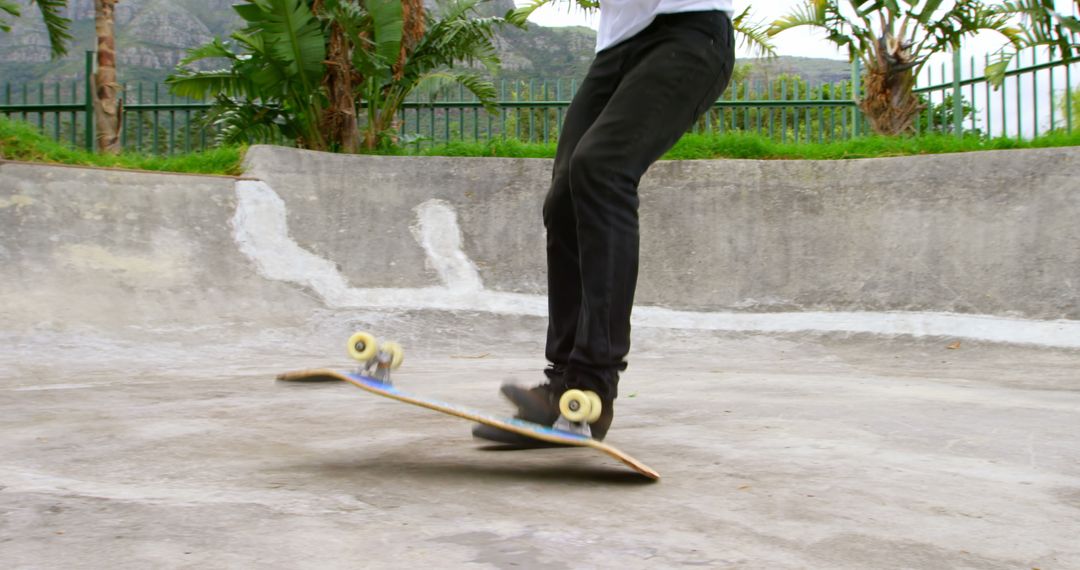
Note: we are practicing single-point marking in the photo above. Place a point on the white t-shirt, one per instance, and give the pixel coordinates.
(621, 19)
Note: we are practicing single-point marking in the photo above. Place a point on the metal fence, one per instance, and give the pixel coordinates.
(785, 109)
(154, 121)
(1036, 98)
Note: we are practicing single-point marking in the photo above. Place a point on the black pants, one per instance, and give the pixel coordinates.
(637, 100)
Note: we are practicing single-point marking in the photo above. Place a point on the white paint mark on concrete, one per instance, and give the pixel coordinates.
(438, 232)
(260, 229)
(261, 232)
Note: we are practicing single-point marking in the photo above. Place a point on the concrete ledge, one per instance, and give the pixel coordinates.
(112, 247)
(991, 233)
(980, 246)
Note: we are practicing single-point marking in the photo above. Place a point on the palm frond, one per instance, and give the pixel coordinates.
(202, 85)
(753, 35)
(215, 49)
(811, 13)
(296, 38)
(1040, 25)
(10, 8)
(435, 82)
(388, 26)
(245, 122)
(58, 27)
(519, 16)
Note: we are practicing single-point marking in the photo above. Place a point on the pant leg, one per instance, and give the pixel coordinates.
(673, 72)
(564, 274)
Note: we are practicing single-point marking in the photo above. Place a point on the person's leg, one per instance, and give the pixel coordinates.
(675, 70)
(654, 87)
(564, 275)
(539, 404)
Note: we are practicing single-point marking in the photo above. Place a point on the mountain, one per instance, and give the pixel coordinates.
(153, 36)
(814, 71)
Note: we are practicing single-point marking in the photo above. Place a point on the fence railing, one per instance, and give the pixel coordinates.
(533, 111)
(1036, 97)
(786, 109)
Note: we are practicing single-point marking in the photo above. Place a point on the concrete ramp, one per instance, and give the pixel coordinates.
(979, 246)
(836, 365)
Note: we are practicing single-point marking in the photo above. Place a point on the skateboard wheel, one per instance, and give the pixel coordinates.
(397, 354)
(362, 346)
(595, 406)
(575, 405)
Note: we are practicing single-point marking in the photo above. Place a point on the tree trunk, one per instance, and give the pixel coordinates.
(339, 121)
(107, 111)
(890, 103)
(413, 28)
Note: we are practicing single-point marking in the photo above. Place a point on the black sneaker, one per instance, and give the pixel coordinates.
(599, 428)
(539, 405)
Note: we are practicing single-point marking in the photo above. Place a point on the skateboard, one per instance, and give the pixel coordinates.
(576, 408)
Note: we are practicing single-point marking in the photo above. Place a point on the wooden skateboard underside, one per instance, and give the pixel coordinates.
(528, 429)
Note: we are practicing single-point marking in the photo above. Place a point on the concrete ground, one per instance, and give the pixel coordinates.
(145, 448)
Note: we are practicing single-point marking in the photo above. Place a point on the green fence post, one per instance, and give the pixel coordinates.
(74, 114)
(958, 107)
(41, 101)
(1019, 100)
(971, 89)
(89, 93)
(157, 121)
(989, 102)
(138, 119)
(56, 115)
(1035, 91)
(1053, 119)
(856, 87)
(1068, 98)
(123, 117)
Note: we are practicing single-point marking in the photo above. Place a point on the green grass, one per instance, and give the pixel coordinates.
(751, 146)
(22, 141)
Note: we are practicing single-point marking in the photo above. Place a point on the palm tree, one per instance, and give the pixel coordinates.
(57, 26)
(107, 111)
(894, 40)
(450, 36)
(307, 64)
(274, 84)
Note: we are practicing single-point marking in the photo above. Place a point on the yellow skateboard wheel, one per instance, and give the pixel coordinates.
(575, 405)
(397, 354)
(362, 346)
(595, 407)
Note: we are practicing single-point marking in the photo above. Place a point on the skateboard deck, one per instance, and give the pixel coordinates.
(528, 429)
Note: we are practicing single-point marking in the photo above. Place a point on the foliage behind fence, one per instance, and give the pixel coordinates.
(786, 109)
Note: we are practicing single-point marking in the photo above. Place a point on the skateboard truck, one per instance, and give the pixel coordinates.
(578, 409)
(376, 360)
